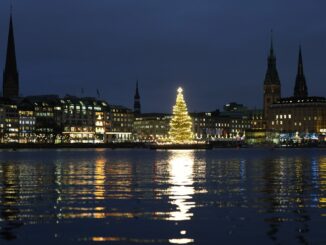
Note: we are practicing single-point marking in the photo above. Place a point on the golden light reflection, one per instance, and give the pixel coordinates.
(322, 177)
(181, 240)
(181, 171)
(105, 239)
(99, 192)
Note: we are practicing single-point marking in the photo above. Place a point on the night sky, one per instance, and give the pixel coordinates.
(217, 50)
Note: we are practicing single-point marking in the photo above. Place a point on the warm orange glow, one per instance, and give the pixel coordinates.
(99, 192)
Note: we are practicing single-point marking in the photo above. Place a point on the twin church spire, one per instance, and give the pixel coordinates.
(272, 84)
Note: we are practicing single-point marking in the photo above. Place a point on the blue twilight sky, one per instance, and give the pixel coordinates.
(215, 49)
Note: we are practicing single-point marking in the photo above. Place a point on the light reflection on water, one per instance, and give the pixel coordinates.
(181, 164)
(179, 197)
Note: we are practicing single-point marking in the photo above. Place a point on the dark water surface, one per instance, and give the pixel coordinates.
(229, 196)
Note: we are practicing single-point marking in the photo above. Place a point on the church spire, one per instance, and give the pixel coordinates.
(137, 108)
(272, 46)
(271, 76)
(10, 74)
(300, 88)
(137, 92)
(272, 84)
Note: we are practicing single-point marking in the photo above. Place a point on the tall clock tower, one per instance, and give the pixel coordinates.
(272, 84)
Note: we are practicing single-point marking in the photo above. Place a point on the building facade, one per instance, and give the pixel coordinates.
(302, 115)
(149, 127)
(51, 119)
(297, 117)
(121, 124)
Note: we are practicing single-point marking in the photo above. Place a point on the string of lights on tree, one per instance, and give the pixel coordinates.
(181, 124)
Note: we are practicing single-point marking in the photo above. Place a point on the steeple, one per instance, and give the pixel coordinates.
(271, 76)
(137, 108)
(137, 92)
(10, 74)
(271, 51)
(272, 84)
(300, 88)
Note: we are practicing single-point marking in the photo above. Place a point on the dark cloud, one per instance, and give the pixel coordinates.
(216, 49)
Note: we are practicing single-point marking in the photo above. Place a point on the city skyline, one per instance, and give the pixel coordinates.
(58, 66)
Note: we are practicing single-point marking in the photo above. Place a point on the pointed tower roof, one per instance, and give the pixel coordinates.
(11, 64)
(10, 73)
(271, 51)
(300, 88)
(137, 92)
(137, 107)
(271, 76)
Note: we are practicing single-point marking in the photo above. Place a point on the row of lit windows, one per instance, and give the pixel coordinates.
(44, 114)
(26, 122)
(121, 115)
(121, 119)
(289, 116)
(26, 113)
(152, 126)
(309, 118)
(11, 120)
(45, 130)
(79, 129)
(281, 123)
(125, 125)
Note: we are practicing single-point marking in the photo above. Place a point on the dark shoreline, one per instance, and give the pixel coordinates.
(138, 145)
(58, 146)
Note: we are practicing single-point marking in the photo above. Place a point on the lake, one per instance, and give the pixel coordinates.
(222, 196)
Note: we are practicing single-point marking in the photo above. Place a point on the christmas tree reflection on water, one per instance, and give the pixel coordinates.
(181, 171)
(181, 166)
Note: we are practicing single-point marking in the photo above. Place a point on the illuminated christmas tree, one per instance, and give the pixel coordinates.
(181, 124)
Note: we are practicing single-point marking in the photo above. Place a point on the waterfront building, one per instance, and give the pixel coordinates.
(257, 133)
(121, 123)
(84, 120)
(45, 124)
(149, 127)
(208, 125)
(300, 116)
(9, 123)
(303, 115)
(224, 125)
(51, 119)
(10, 73)
(27, 122)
